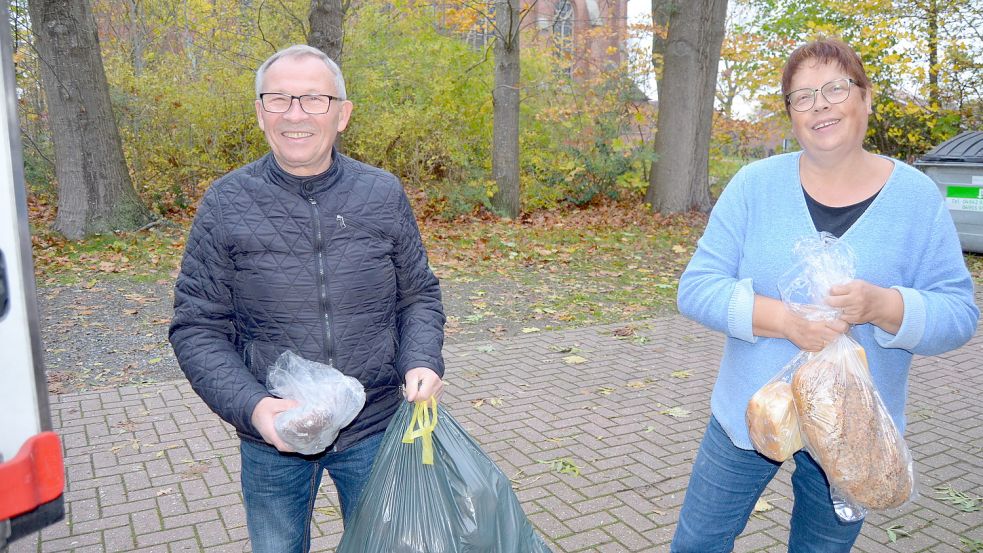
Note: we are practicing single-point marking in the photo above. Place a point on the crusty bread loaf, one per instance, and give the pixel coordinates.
(772, 421)
(848, 431)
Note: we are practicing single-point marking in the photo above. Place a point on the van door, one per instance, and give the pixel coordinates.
(31, 466)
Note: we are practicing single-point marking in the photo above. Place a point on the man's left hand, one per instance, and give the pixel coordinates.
(422, 384)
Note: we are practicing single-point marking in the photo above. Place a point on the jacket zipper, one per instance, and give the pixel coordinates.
(371, 231)
(322, 281)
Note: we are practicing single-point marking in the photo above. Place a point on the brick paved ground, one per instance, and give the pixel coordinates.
(151, 469)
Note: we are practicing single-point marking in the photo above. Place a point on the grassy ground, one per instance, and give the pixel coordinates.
(106, 302)
(607, 264)
(551, 270)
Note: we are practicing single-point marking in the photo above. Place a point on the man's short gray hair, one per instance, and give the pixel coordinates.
(299, 51)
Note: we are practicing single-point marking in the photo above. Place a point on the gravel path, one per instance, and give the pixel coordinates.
(105, 335)
(109, 333)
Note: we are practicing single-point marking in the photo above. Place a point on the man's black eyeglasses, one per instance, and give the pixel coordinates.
(314, 104)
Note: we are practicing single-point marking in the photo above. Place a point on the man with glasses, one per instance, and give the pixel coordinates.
(305, 250)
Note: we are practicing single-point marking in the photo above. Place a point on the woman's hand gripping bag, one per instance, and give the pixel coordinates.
(433, 490)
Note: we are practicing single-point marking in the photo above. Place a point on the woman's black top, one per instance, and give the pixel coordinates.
(836, 220)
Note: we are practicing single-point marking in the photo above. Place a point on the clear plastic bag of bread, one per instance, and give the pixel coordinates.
(772, 420)
(842, 420)
(329, 401)
(822, 261)
(849, 432)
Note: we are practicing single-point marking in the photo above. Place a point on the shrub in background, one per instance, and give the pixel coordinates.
(181, 80)
(422, 104)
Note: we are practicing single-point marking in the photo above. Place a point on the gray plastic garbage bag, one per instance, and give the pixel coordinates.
(461, 503)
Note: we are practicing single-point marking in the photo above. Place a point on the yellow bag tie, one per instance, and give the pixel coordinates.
(421, 426)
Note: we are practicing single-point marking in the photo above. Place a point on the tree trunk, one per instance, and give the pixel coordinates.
(932, 40)
(137, 35)
(661, 10)
(505, 98)
(679, 180)
(95, 194)
(327, 18)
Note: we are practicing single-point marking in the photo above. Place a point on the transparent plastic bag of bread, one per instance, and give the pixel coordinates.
(329, 401)
(848, 431)
(822, 261)
(771, 418)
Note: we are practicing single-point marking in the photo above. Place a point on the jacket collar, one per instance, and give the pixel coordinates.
(305, 186)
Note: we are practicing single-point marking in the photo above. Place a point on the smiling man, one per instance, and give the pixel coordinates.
(301, 141)
(309, 251)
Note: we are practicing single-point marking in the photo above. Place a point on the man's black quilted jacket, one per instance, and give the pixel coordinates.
(331, 267)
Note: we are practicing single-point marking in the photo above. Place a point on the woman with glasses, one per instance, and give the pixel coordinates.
(912, 292)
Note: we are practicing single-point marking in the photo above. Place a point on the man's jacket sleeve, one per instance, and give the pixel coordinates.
(202, 331)
(419, 311)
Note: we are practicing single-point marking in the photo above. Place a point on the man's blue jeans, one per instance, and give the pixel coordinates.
(725, 484)
(279, 490)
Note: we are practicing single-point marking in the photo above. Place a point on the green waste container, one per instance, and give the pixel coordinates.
(956, 166)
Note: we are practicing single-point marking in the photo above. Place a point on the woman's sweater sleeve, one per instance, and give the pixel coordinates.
(710, 291)
(940, 313)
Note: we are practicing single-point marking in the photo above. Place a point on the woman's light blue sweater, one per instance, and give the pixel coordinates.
(906, 240)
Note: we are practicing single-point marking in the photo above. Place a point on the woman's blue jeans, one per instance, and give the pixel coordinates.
(279, 490)
(725, 484)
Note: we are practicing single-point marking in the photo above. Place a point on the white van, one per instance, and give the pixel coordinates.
(32, 473)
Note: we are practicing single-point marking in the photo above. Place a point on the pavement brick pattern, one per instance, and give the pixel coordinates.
(597, 427)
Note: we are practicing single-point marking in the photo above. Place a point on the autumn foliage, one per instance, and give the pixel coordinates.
(420, 74)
